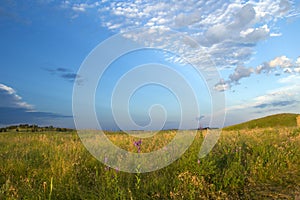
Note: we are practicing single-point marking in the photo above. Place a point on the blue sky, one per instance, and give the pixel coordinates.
(254, 45)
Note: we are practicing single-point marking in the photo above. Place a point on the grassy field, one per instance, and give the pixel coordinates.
(244, 164)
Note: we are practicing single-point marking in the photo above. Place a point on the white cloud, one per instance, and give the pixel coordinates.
(80, 7)
(275, 34)
(298, 62)
(219, 25)
(292, 79)
(253, 36)
(222, 86)
(227, 30)
(10, 98)
(239, 73)
(277, 65)
(297, 69)
(271, 9)
(281, 61)
(287, 97)
(14, 110)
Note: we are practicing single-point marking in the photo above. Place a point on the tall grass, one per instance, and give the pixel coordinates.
(248, 164)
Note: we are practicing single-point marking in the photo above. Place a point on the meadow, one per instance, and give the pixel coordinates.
(260, 163)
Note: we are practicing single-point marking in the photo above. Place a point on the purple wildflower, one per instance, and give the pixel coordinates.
(138, 145)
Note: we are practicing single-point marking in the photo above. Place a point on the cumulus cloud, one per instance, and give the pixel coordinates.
(222, 86)
(240, 29)
(239, 73)
(281, 61)
(232, 28)
(277, 65)
(223, 31)
(234, 78)
(254, 35)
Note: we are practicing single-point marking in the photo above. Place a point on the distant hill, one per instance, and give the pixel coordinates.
(278, 120)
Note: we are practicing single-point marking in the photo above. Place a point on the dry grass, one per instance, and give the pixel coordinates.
(246, 164)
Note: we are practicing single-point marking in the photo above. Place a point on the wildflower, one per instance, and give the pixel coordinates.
(138, 145)
(198, 162)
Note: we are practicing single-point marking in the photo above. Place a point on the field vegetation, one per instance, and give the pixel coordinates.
(244, 164)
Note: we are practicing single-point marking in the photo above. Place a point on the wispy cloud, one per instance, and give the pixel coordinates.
(6, 12)
(13, 109)
(10, 115)
(286, 96)
(66, 74)
(276, 104)
(10, 98)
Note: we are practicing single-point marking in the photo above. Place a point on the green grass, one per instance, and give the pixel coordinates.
(278, 120)
(248, 164)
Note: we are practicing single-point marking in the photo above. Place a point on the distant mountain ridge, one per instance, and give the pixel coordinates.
(277, 120)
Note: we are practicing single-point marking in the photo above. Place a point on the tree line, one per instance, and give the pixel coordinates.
(33, 128)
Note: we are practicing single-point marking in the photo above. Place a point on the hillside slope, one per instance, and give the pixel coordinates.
(278, 120)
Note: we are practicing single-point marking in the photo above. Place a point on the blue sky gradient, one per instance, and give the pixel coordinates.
(254, 45)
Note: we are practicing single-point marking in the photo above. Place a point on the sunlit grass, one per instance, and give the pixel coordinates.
(245, 164)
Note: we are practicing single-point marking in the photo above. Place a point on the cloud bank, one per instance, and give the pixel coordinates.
(14, 110)
(226, 31)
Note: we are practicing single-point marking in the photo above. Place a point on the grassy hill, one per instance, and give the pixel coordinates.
(278, 120)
